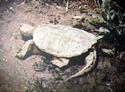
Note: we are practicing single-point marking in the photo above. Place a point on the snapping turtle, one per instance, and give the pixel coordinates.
(61, 41)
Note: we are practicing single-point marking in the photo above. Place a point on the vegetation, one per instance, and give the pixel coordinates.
(113, 12)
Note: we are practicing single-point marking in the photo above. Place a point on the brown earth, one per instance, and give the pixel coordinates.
(17, 74)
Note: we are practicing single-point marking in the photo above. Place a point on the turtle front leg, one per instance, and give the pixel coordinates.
(60, 62)
(26, 50)
(90, 62)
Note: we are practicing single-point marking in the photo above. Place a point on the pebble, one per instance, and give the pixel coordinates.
(12, 38)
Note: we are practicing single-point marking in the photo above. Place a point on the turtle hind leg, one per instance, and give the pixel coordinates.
(26, 50)
(60, 62)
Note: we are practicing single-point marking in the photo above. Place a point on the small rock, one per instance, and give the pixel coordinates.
(12, 38)
(38, 66)
(107, 51)
(58, 7)
(77, 17)
(57, 69)
(11, 8)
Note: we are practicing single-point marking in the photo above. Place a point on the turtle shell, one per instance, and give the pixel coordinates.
(63, 41)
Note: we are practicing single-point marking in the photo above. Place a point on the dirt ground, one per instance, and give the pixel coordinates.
(20, 75)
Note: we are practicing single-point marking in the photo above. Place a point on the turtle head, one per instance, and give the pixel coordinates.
(26, 31)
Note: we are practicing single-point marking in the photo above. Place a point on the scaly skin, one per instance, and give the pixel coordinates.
(90, 62)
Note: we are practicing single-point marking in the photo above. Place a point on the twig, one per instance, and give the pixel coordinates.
(87, 3)
(67, 5)
(97, 3)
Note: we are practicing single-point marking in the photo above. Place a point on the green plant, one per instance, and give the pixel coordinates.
(113, 12)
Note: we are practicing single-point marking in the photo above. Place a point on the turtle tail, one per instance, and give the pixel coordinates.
(90, 63)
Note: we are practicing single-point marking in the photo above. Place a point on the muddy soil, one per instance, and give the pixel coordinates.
(36, 73)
